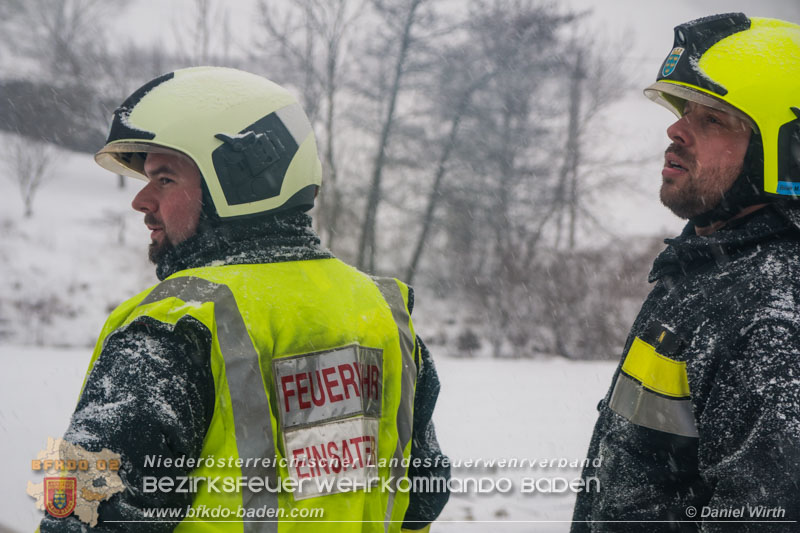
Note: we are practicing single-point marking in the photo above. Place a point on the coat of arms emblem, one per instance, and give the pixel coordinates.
(60, 495)
(672, 61)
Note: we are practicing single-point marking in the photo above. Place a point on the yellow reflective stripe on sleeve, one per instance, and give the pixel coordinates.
(656, 372)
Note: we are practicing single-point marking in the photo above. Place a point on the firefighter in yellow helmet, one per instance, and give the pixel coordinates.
(263, 385)
(701, 423)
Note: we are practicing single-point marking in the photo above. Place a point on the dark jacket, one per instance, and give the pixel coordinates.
(151, 391)
(728, 306)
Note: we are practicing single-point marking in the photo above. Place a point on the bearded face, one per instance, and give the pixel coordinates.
(704, 159)
(171, 201)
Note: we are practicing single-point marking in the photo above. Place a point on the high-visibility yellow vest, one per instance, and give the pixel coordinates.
(314, 369)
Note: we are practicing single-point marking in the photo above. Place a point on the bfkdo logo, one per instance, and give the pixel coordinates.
(60, 495)
(76, 481)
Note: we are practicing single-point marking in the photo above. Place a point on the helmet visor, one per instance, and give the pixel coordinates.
(127, 157)
(674, 97)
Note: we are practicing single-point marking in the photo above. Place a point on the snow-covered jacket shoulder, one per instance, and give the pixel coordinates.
(731, 301)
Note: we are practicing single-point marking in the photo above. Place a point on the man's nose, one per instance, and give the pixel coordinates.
(679, 132)
(145, 200)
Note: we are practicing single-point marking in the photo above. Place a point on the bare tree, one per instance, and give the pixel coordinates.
(205, 38)
(508, 139)
(306, 46)
(408, 11)
(9, 11)
(202, 26)
(454, 64)
(65, 104)
(63, 34)
(498, 212)
(28, 162)
(489, 47)
(594, 83)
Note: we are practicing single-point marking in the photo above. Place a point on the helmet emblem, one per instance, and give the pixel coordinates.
(672, 61)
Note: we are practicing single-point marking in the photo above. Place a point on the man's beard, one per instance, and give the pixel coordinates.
(698, 193)
(157, 251)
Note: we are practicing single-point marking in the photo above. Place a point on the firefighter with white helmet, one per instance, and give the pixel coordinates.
(260, 361)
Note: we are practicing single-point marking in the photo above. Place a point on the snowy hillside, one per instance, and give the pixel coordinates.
(80, 254)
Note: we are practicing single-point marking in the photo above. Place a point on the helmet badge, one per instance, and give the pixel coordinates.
(672, 61)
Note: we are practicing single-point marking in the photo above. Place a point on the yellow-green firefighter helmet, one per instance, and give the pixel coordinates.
(749, 67)
(249, 137)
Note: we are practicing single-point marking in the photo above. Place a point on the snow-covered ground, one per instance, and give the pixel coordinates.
(538, 410)
(488, 410)
(38, 391)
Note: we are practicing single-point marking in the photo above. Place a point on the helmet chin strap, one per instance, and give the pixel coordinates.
(747, 190)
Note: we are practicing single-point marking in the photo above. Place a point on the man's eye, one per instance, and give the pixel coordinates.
(164, 181)
(711, 119)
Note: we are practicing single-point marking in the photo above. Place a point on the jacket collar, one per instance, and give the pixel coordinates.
(273, 239)
(689, 251)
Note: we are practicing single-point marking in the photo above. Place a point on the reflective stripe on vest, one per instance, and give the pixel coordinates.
(253, 429)
(405, 413)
